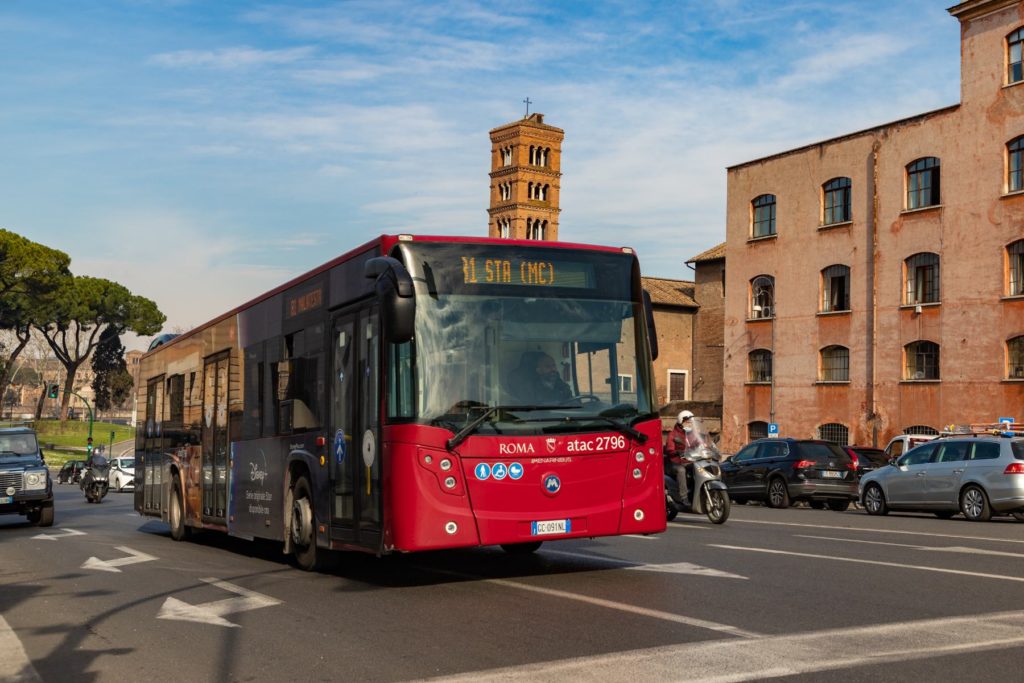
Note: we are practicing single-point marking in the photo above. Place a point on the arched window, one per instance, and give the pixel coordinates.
(923, 183)
(835, 288)
(922, 278)
(533, 155)
(760, 365)
(833, 432)
(835, 195)
(835, 364)
(540, 227)
(1015, 164)
(763, 216)
(1015, 358)
(506, 156)
(921, 360)
(757, 430)
(762, 297)
(1015, 268)
(1014, 63)
(924, 430)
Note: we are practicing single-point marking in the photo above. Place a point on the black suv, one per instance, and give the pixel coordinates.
(780, 471)
(25, 485)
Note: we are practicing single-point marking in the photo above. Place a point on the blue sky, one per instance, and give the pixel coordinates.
(201, 153)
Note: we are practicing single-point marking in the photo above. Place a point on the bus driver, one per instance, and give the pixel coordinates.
(536, 380)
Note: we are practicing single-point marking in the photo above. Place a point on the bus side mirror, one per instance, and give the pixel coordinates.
(652, 333)
(396, 295)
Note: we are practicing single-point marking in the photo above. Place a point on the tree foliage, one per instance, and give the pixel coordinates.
(110, 371)
(81, 310)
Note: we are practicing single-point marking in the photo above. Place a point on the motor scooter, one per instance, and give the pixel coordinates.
(708, 493)
(96, 478)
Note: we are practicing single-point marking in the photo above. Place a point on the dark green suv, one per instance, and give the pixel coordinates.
(25, 484)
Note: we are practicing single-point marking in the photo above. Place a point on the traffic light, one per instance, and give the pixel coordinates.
(88, 445)
(53, 391)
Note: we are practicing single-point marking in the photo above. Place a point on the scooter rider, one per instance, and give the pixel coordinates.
(682, 441)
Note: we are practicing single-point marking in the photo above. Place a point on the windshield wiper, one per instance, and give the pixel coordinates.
(472, 426)
(621, 427)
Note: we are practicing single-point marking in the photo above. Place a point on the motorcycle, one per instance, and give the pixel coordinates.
(96, 479)
(708, 493)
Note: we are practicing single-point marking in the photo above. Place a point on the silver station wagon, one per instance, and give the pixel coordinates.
(978, 476)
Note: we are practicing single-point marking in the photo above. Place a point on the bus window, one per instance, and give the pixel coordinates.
(299, 388)
(400, 381)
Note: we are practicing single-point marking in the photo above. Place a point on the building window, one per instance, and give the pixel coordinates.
(835, 364)
(760, 365)
(763, 221)
(505, 227)
(1015, 256)
(626, 383)
(834, 432)
(1014, 68)
(1015, 358)
(535, 228)
(762, 297)
(757, 430)
(922, 278)
(677, 385)
(836, 201)
(923, 183)
(1014, 159)
(921, 360)
(506, 156)
(835, 288)
(924, 430)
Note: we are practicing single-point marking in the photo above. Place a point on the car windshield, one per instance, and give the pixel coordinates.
(500, 337)
(823, 452)
(18, 445)
(126, 463)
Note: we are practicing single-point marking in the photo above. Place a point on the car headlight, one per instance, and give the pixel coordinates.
(35, 479)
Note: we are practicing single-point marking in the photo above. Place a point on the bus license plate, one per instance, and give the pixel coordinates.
(552, 526)
(832, 474)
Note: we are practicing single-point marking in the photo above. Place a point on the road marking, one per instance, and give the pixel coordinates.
(15, 666)
(940, 570)
(944, 549)
(134, 557)
(214, 612)
(672, 568)
(641, 537)
(792, 655)
(684, 525)
(879, 531)
(66, 533)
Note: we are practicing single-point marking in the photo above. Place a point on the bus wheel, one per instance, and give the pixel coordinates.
(303, 540)
(521, 548)
(176, 514)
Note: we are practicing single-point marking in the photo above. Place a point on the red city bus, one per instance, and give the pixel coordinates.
(390, 400)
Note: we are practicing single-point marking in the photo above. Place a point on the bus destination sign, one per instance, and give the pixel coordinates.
(305, 302)
(526, 272)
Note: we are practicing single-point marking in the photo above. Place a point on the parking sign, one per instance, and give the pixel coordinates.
(773, 430)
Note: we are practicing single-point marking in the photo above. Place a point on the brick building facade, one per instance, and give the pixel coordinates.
(875, 279)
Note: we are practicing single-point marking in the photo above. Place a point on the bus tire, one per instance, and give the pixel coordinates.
(301, 527)
(176, 513)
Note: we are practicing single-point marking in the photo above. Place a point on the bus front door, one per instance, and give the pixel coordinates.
(214, 478)
(356, 508)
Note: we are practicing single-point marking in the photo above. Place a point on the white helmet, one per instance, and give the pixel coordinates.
(685, 415)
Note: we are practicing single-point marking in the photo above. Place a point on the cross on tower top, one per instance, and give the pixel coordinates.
(528, 103)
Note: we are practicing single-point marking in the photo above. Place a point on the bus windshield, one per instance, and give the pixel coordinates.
(529, 340)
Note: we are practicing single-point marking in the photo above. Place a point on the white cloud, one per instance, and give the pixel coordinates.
(230, 57)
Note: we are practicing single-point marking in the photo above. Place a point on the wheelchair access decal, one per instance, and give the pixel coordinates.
(499, 471)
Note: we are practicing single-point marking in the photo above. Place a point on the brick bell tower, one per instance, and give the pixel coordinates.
(526, 158)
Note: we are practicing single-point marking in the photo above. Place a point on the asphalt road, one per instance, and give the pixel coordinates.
(798, 594)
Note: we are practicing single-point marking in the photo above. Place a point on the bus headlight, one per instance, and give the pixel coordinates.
(450, 528)
(35, 479)
(639, 456)
(638, 515)
(446, 464)
(450, 482)
(637, 473)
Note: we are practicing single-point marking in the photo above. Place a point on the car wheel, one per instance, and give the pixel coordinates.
(671, 511)
(816, 504)
(778, 494)
(839, 505)
(521, 548)
(974, 505)
(176, 515)
(874, 501)
(303, 536)
(945, 514)
(45, 517)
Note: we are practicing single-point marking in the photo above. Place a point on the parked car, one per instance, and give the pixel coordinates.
(867, 459)
(122, 473)
(780, 471)
(25, 485)
(71, 472)
(898, 445)
(977, 476)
